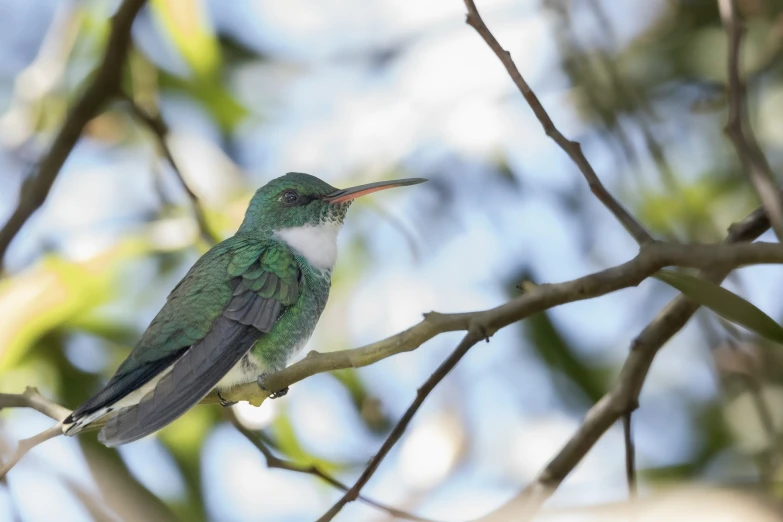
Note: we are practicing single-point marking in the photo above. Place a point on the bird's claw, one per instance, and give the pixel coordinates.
(224, 402)
(273, 395)
(278, 393)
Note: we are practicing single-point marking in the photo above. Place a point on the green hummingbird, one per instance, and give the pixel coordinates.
(241, 312)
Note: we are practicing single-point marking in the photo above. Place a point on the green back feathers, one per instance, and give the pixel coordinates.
(274, 274)
(265, 267)
(231, 297)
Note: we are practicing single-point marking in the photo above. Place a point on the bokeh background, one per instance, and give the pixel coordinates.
(355, 91)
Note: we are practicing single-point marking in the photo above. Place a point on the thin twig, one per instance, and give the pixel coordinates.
(31, 398)
(572, 148)
(630, 454)
(738, 127)
(630, 95)
(750, 382)
(160, 130)
(771, 458)
(104, 86)
(476, 332)
(274, 462)
(755, 390)
(26, 445)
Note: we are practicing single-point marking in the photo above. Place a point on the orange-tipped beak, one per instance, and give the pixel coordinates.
(341, 196)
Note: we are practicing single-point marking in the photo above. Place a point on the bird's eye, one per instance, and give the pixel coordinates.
(290, 197)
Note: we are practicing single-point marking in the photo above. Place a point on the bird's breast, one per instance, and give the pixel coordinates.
(246, 370)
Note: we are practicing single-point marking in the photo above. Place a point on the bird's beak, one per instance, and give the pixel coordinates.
(349, 194)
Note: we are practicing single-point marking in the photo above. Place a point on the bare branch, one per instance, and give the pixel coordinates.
(753, 385)
(572, 148)
(624, 89)
(476, 332)
(651, 258)
(733, 361)
(630, 454)
(738, 127)
(273, 462)
(160, 130)
(104, 85)
(32, 399)
(26, 445)
(720, 259)
(624, 395)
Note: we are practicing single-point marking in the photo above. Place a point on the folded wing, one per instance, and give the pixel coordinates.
(259, 283)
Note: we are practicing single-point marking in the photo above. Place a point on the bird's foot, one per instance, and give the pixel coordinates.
(224, 402)
(279, 393)
(273, 395)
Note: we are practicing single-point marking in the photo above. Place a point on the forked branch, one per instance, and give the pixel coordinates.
(738, 127)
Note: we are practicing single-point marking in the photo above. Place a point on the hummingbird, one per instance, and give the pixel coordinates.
(241, 312)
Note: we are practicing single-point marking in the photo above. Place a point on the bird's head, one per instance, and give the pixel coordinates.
(300, 200)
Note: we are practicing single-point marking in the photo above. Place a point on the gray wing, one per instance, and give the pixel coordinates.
(244, 320)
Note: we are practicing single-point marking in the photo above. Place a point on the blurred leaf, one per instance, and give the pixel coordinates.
(288, 443)
(234, 51)
(35, 302)
(672, 473)
(56, 292)
(712, 438)
(696, 205)
(99, 326)
(185, 435)
(559, 355)
(35, 370)
(187, 457)
(369, 407)
(122, 492)
(728, 305)
(184, 439)
(225, 109)
(187, 25)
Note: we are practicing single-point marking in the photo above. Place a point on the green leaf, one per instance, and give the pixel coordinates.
(289, 445)
(561, 356)
(187, 24)
(726, 304)
(222, 105)
(369, 407)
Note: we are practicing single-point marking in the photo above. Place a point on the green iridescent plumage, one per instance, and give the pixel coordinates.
(241, 311)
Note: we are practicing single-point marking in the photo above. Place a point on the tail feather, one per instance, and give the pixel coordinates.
(73, 425)
(192, 377)
(80, 419)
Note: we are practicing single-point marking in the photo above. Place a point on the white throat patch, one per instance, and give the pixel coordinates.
(318, 244)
